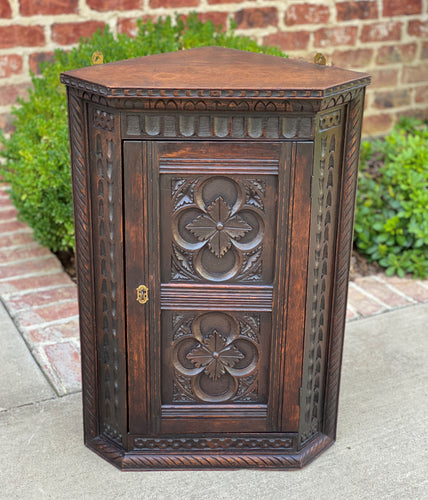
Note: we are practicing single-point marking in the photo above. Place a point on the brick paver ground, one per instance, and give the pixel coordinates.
(42, 299)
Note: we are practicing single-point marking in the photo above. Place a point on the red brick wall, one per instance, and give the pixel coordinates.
(387, 38)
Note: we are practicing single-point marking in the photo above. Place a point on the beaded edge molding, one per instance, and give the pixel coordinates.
(212, 93)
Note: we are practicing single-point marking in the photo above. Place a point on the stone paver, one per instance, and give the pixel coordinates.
(42, 299)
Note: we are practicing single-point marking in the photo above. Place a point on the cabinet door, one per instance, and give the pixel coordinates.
(206, 232)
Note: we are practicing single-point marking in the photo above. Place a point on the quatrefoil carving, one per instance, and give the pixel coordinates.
(217, 226)
(214, 355)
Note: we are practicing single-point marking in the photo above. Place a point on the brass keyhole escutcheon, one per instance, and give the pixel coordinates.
(142, 294)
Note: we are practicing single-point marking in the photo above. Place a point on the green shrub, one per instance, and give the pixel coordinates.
(391, 224)
(37, 154)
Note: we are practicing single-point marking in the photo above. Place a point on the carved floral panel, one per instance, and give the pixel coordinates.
(215, 357)
(219, 226)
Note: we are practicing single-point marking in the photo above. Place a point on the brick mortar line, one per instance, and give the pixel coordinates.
(29, 246)
(352, 309)
(56, 303)
(46, 324)
(13, 219)
(23, 230)
(25, 276)
(21, 261)
(20, 293)
(385, 311)
(36, 345)
(395, 290)
(368, 295)
(424, 285)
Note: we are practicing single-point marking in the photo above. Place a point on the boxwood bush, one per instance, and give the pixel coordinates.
(37, 164)
(391, 224)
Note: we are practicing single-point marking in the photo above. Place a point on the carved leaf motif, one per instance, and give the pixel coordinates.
(215, 355)
(247, 388)
(219, 244)
(251, 259)
(182, 259)
(182, 390)
(236, 227)
(182, 192)
(200, 356)
(255, 192)
(181, 326)
(250, 328)
(218, 228)
(219, 210)
(203, 227)
(181, 264)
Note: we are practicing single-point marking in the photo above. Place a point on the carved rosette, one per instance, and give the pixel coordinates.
(218, 229)
(215, 357)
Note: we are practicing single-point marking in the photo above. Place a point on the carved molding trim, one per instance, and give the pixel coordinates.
(217, 105)
(199, 104)
(211, 93)
(342, 98)
(330, 120)
(250, 298)
(83, 263)
(274, 459)
(323, 213)
(103, 120)
(224, 126)
(345, 239)
(107, 228)
(228, 165)
(214, 443)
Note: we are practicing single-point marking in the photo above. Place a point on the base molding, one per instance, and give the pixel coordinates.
(274, 459)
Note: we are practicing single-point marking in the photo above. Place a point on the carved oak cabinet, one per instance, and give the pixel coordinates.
(214, 196)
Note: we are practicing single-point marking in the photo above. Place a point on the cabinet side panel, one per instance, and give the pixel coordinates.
(107, 226)
(82, 223)
(324, 215)
(344, 248)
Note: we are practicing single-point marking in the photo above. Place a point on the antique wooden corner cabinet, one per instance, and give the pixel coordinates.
(214, 196)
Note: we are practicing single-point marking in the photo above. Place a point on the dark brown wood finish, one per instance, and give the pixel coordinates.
(215, 70)
(217, 188)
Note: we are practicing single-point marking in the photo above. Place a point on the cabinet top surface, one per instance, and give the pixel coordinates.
(214, 68)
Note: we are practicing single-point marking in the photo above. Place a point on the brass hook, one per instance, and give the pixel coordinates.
(97, 57)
